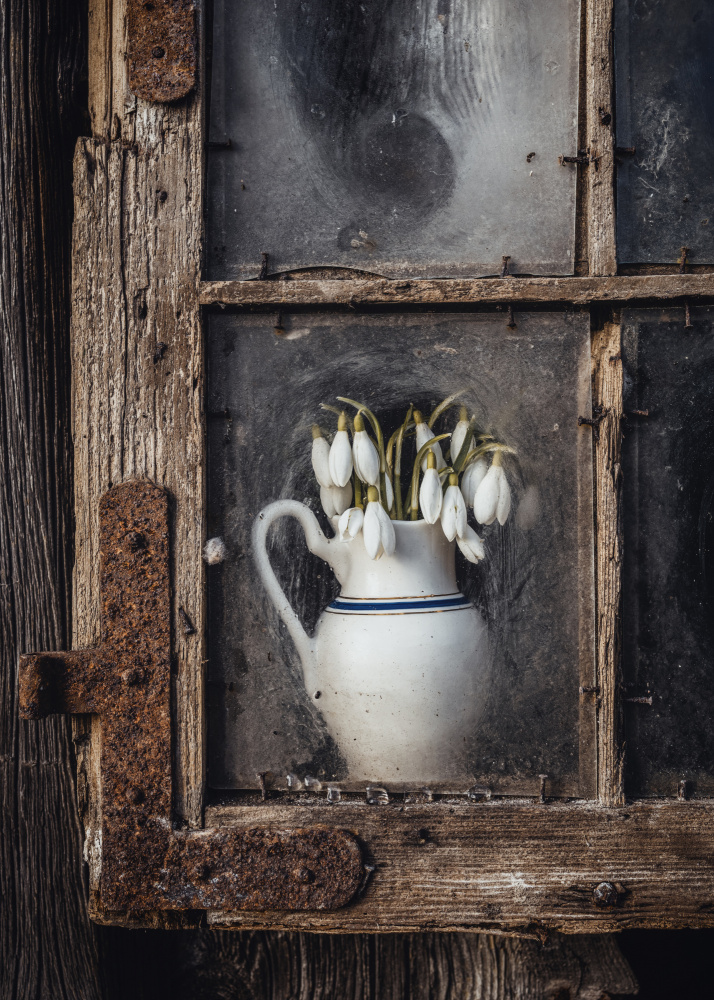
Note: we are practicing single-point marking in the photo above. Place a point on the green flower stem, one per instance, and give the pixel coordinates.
(414, 488)
(444, 406)
(484, 449)
(380, 447)
(390, 448)
(338, 412)
(358, 490)
(398, 463)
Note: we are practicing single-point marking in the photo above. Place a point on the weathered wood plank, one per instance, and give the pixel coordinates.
(138, 389)
(282, 966)
(503, 865)
(600, 128)
(357, 292)
(47, 944)
(607, 404)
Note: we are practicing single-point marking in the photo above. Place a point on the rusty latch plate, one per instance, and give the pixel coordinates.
(162, 48)
(146, 863)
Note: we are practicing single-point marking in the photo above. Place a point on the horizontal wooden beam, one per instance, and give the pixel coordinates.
(503, 866)
(355, 292)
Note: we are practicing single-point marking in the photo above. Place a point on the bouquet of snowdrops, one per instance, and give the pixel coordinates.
(361, 479)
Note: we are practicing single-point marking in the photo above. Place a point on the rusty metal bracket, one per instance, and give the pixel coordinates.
(146, 863)
(162, 48)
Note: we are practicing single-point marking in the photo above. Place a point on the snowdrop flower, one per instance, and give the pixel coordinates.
(430, 495)
(471, 545)
(493, 495)
(364, 454)
(472, 478)
(321, 457)
(453, 510)
(424, 433)
(460, 433)
(335, 499)
(378, 530)
(350, 523)
(340, 463)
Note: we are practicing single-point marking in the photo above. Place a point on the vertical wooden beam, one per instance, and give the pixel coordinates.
(48, 947)
(607, 405)
(600, 126)
(138, 363)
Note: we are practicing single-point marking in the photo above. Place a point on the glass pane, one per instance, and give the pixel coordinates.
(407, 675)
(669, 550)
(665, 110)
(403, 137)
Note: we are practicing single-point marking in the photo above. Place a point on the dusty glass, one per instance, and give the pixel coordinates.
(665, 111)
(403, 675)
(401, 137)
(669, 550)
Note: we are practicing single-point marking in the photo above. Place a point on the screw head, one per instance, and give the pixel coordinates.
(304, 875)
(158, 52)
(136, 540)
(135, 795)
(606, 894)
(132, 676)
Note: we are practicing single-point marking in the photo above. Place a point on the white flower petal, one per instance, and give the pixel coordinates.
(453, 513)
(340, 459)
(504, 501)
(366, 458)
(461, 510)
(386, 531)
(458, 437)
(371, 530)
(424, 433)
(471, 479)
(389, 491)
(487, 494)
(471, 545)
(430, 496)
(350, 523)
(341, 497)
(466, 551)
(327, 500)
(321, 461)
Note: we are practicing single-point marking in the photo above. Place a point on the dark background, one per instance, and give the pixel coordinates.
(665, 109)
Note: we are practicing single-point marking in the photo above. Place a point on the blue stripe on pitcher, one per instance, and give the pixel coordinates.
(390, 605)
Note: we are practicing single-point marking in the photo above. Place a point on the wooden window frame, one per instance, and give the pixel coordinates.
(520, 866)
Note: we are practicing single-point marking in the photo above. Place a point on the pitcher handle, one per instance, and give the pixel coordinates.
(317, 544)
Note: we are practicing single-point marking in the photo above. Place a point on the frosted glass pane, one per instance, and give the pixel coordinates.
(480, 683)
(665, 109)
(403, 137)
(669, 550)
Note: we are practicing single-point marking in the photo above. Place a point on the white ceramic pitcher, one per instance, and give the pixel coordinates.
(399, 661)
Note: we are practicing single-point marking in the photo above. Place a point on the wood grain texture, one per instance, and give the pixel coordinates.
(47, 944)
(137, 363)
(509, 866)
(137, 376)
(356, 292)
(282, 966)
(607, 404)
(600, 126)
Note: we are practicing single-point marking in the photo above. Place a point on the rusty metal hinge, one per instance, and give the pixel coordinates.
(147, 864)
(162, 48)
